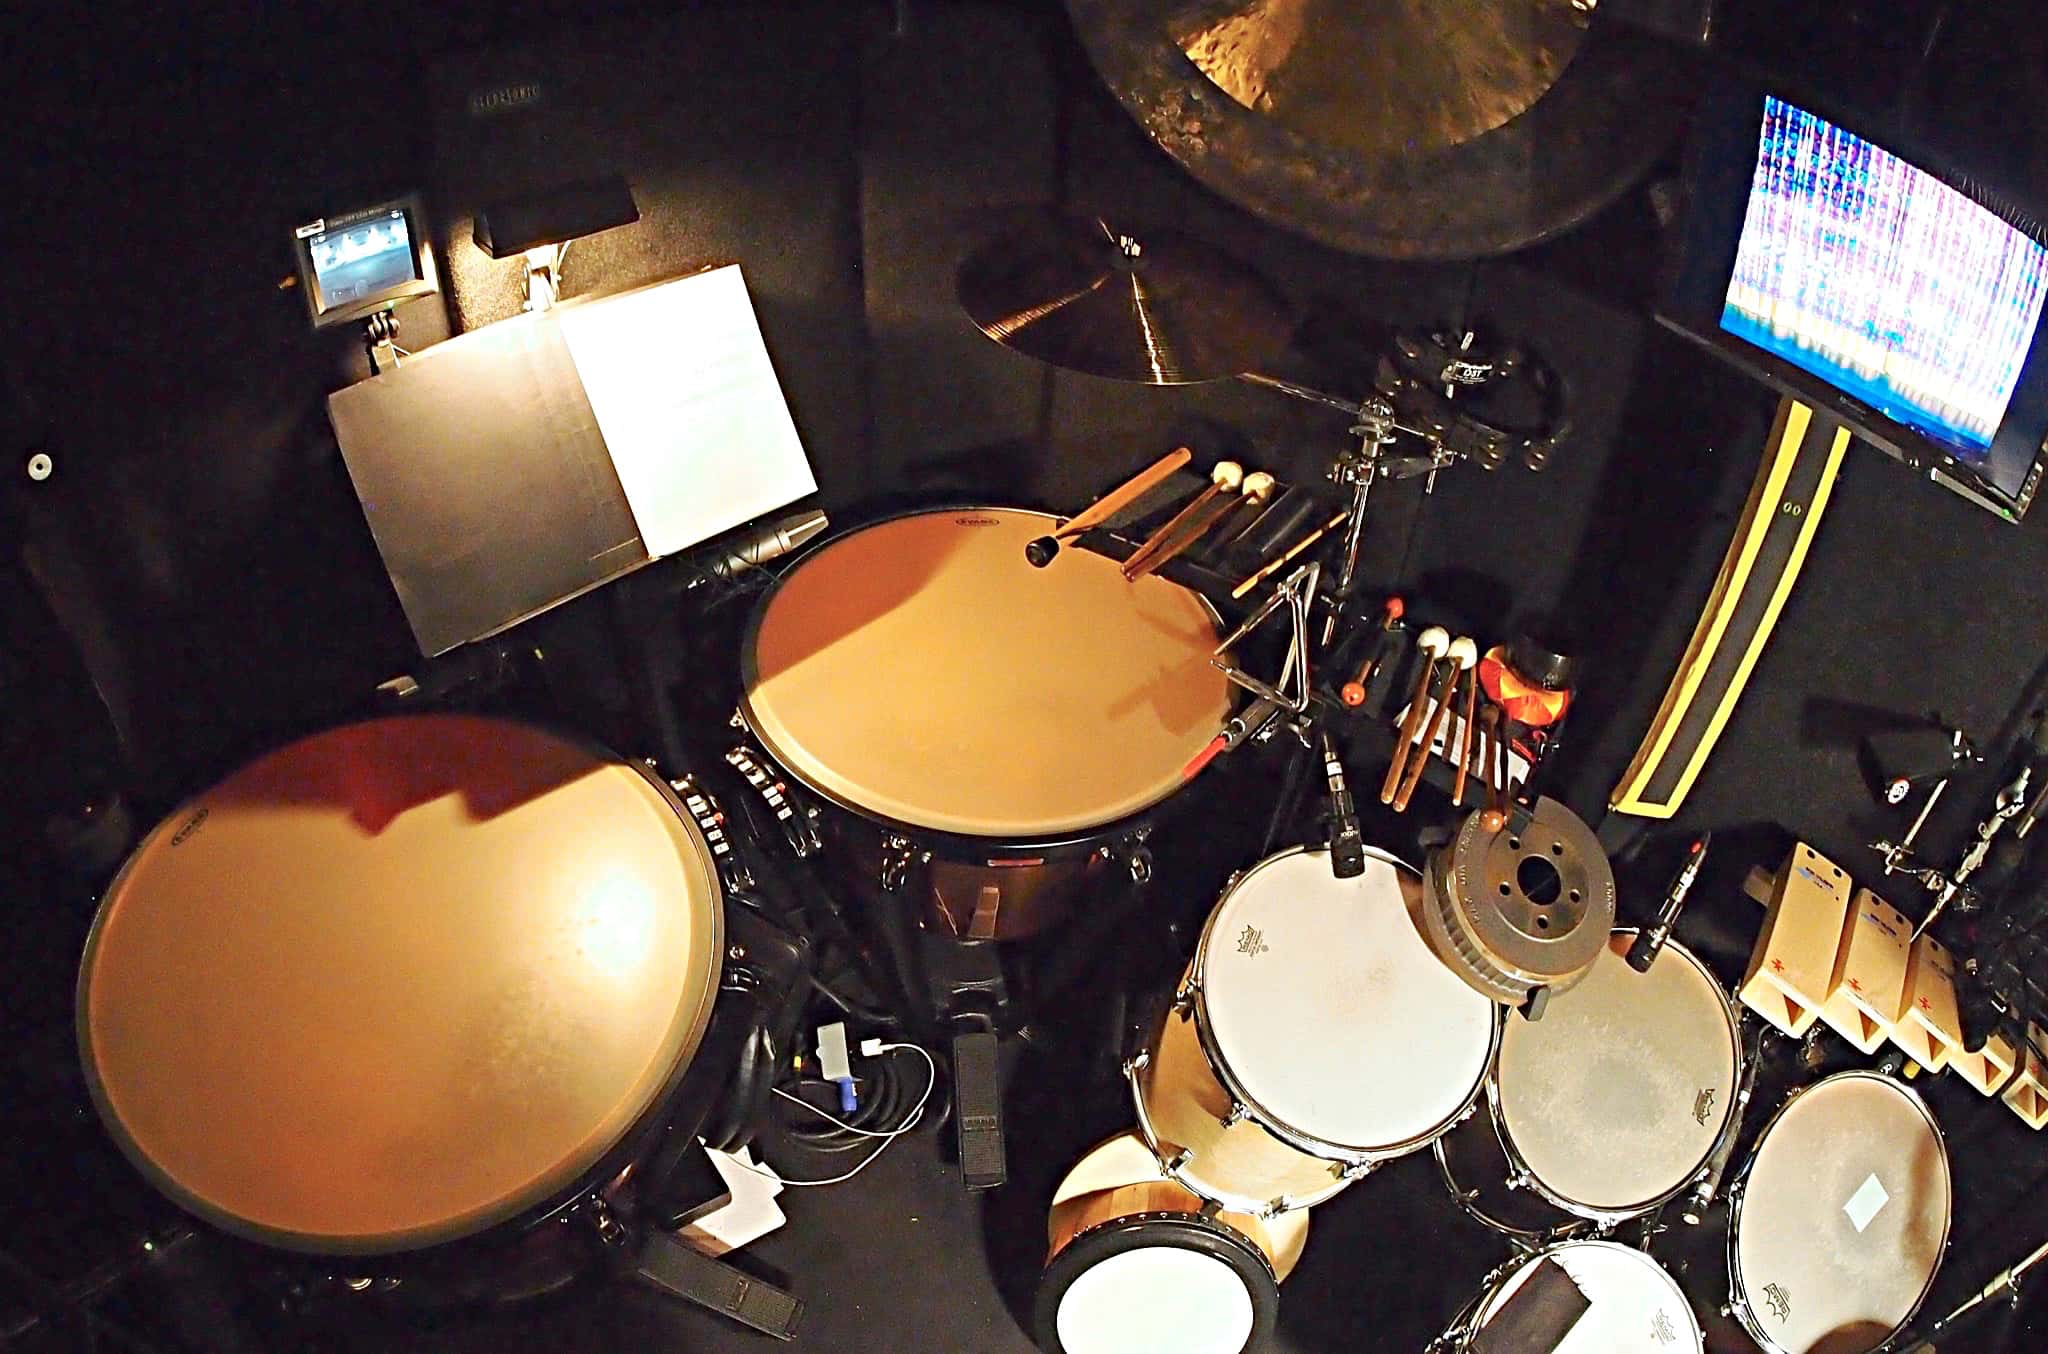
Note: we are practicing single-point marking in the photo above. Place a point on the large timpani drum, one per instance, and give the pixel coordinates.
(1840, 1219)
(1137, 1265)
(1315, 1035)
(400, 983)
(1615, 1100)
(1002, 720)
(1634, 1307)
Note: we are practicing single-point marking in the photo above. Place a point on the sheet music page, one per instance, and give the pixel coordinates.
(690, 408)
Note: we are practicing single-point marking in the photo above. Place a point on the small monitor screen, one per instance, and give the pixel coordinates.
(361, 259)
(1884, 281)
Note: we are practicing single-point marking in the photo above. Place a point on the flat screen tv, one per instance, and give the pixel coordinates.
(1903, 302)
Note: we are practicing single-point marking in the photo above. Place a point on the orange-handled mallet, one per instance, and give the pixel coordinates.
(1352, 693)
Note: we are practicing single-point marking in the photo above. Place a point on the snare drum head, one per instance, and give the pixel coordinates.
(1330, 1013)
(920, 670)
(1157, 1283)
(1843, 1217)
(1636, 1308)
(397, 982)
(1617, 1096)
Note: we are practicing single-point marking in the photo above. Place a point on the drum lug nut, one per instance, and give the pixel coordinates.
(1238, 1114)
(1136, 1064)
(1141, 866)
(736, 952)
(1174, 1164)
(1357, 1170)
(735, 720)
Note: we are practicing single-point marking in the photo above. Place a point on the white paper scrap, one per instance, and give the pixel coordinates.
(1864, 1204)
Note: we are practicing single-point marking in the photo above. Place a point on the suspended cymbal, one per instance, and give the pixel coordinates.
(1400, 128)
(1159, 308)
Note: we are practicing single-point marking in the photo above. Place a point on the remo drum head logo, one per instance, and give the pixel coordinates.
(1779, 1301)
(1252, 943)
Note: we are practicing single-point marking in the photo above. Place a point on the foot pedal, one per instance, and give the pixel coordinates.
(978, 1109)
(669, 1265)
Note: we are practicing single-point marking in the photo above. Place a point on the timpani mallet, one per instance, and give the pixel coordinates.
(1432, 644)
(1041, 551)
(1460, 658)
(1468, 731)
(1256, 489)
(1227, 477)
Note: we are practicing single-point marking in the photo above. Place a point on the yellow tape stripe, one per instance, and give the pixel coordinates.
(1786, 579)
(1700, 653)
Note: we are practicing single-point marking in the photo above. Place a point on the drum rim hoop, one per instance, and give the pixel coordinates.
(1608, 1216)
(615, 1158)
(1224, 1243)
(964, 846)
(1219, 1066)
(1521, 1262)
(1738, 1193)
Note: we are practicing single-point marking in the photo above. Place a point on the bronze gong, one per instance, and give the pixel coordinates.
(1424, 129)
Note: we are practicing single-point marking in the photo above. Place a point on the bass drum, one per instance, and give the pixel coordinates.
(1838, 1225)
(1315, 1035)
(987, 727)
(1136, 1266)
(1635, 1307)
(1618, 1097)
(401, 984)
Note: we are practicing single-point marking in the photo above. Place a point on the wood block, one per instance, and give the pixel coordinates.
(1929, 1030)
(1792, 968)
(1987, 1068)
(2028, 1094)
(1869, 985)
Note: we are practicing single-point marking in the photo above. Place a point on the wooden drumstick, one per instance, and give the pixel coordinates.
(1041, 551)
(1468, 731)
(1271, 567)
(1257, 487)
(1432, 644)
(1460, 658)
(1495, 816)
(1227, 477)
(1256, 493)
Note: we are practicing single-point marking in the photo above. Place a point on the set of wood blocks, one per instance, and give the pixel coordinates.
(1832, 952)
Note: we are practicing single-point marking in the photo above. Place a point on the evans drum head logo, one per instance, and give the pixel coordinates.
(191, 826)
(977, 521)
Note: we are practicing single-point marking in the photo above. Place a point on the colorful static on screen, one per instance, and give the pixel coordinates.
(1883, 280)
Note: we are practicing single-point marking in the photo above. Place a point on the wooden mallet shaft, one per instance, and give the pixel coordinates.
(1469, 731)
(1041, 551)
(1227, 477)
(1273, 566)
(1462, 655)
(1431, 644)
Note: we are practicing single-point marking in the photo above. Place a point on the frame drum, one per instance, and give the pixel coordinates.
(400, 982)
(1316, 1034)
(921, 674)
(1135, 1267)
(1636, 1308)
(1839, 1222)
(1615, 1100)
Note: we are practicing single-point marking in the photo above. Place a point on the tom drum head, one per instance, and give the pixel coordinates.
(1636, 1308)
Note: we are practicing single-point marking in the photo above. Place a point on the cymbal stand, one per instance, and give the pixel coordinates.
(1375, 425)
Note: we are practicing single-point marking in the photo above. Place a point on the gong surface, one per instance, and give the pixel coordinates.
(398, 982)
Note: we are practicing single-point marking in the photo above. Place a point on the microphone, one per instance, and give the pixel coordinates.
(1650, 940)
(770, 541)
(1347, 842)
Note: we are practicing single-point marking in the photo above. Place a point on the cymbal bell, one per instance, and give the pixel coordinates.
(1159, 308)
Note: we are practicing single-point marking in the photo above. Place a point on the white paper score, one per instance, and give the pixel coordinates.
(679, 379)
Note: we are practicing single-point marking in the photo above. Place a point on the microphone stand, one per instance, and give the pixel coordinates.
(2006, 1282)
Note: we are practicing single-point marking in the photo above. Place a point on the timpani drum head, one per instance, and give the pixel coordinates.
(1157, 1284)
(1328, 1013)
(1620, 1093)
(921, 671)
(398, 982)
(1636, 1308)
(1842, 1218)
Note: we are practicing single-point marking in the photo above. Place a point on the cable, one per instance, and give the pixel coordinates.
(915, 1117)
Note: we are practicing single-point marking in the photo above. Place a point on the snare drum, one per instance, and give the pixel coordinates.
(1135, 1266)
(1615, 1100)
(401, 984)
(1636, 1308)
(996, 723)
(1840, 1219)
(1315, 1035)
